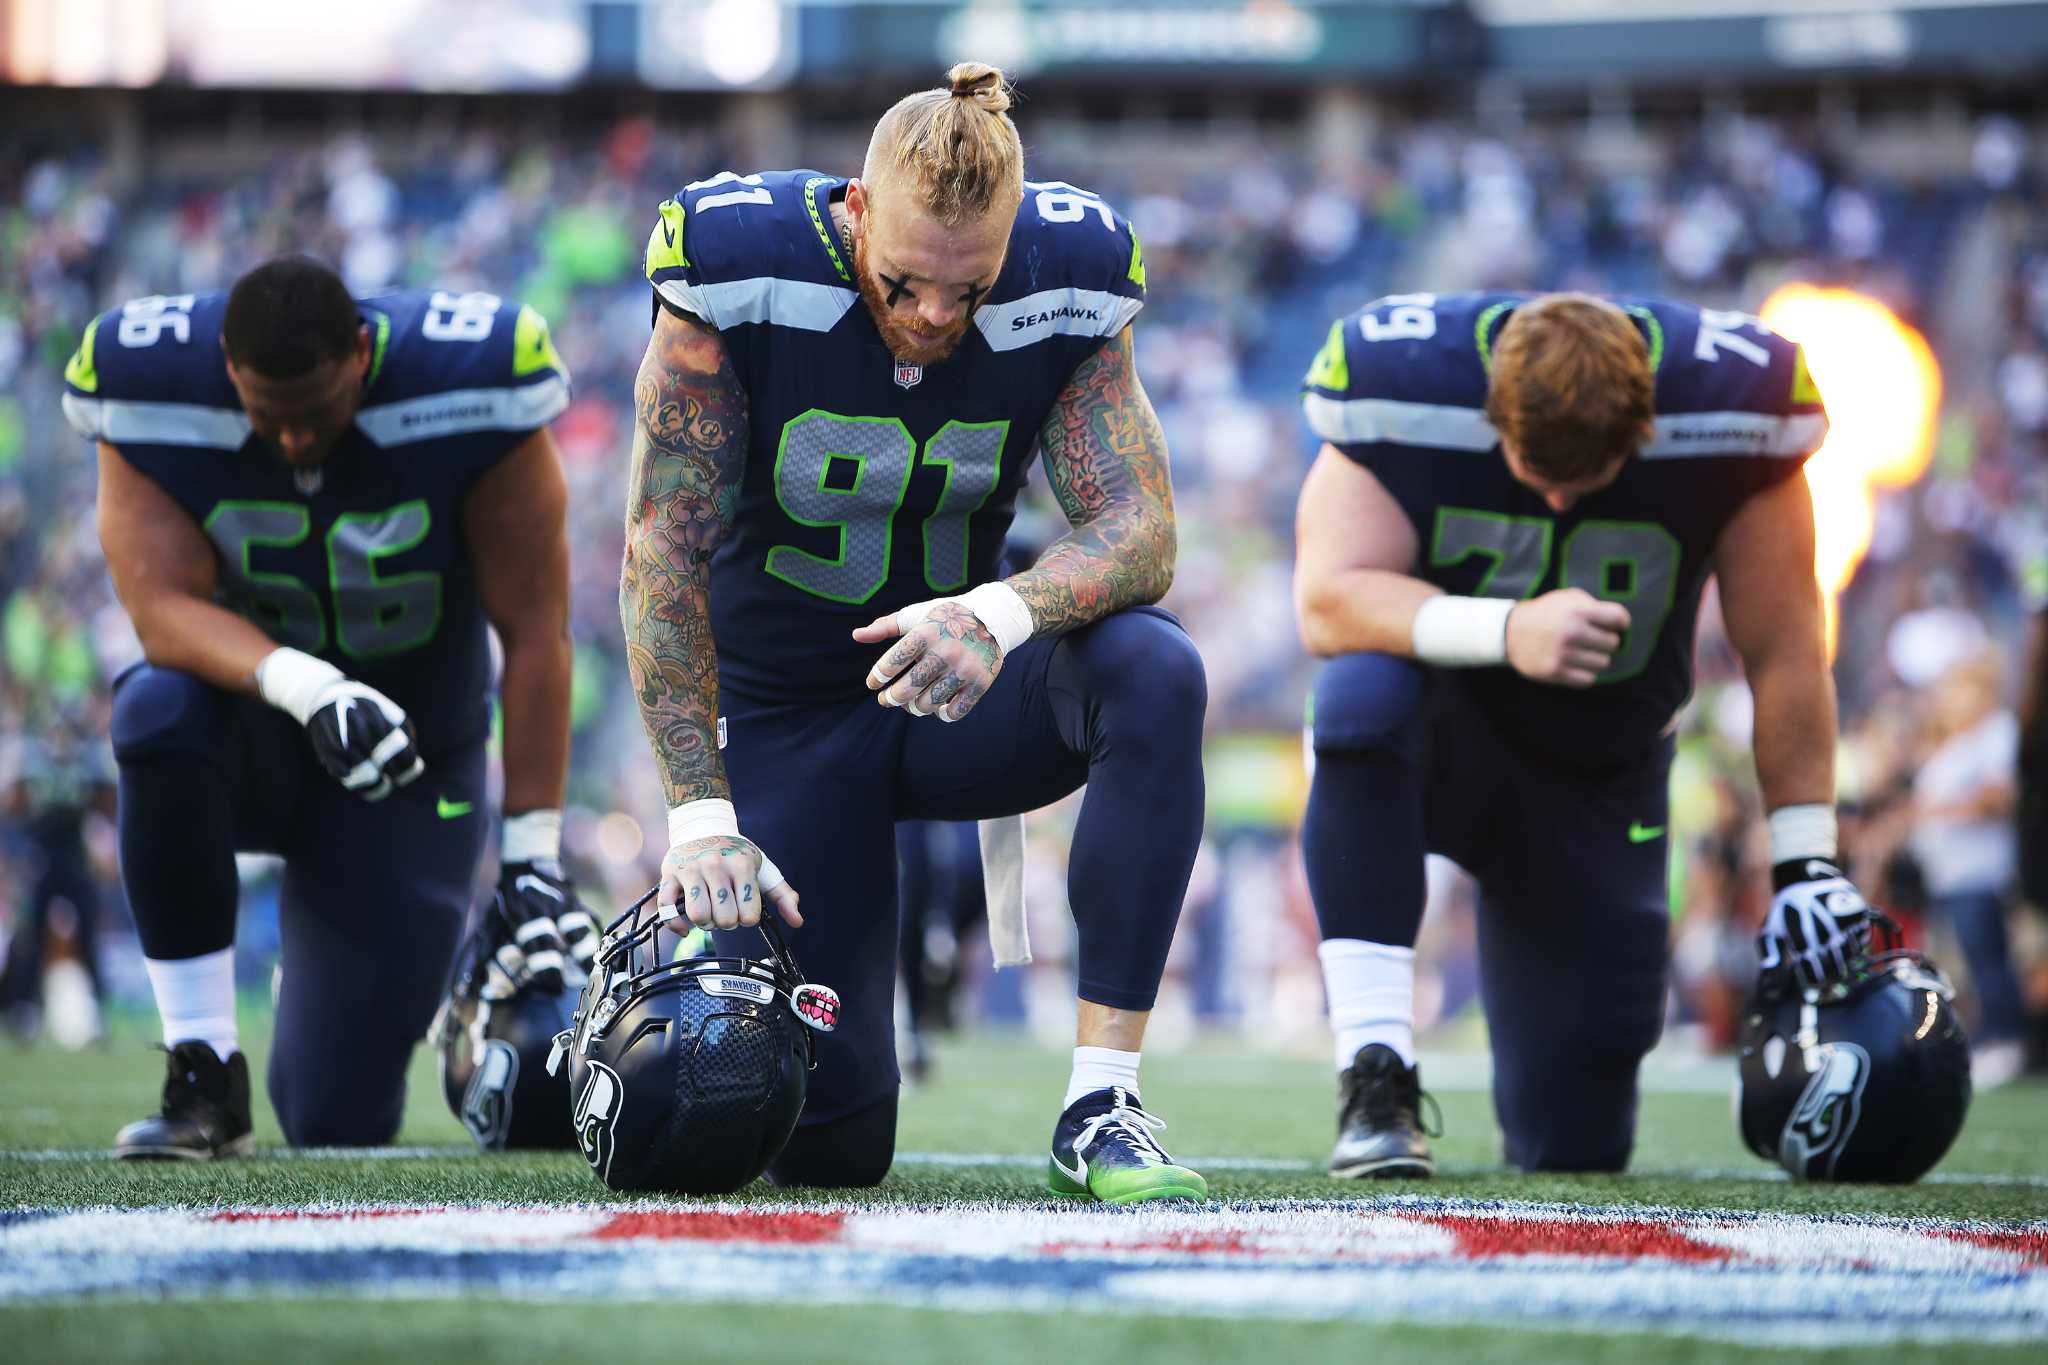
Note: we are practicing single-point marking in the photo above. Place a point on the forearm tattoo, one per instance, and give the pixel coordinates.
(1105, 457)
(689, 456)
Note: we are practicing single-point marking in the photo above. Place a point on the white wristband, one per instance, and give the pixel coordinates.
(701, 820)
(708, 818)
(531, 837)
(1807, 831)
(1462, 632)
(292, 681)
(1003, 612)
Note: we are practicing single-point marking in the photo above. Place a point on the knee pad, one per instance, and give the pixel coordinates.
(1144, 654)
(163, 711)
(1366, 703)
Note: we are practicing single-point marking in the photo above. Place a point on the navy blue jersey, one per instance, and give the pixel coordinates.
(1400, 387)
(871, 484)
(362, 561)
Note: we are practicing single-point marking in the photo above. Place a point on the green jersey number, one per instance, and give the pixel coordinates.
(849, 474)
(1634, 563)
(374, 614)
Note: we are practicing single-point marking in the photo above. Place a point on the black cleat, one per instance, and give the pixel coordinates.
(205, 1113)
(1379, 1125)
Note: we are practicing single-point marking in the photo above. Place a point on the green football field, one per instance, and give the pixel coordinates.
(1685, 1258)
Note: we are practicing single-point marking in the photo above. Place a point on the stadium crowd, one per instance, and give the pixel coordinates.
(1246, 271)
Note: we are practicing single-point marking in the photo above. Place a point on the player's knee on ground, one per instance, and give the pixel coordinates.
(1367, 703)
(853, 1152)
(162, 712)
(1580, 1117)
(1141, 667)
(316, 1108)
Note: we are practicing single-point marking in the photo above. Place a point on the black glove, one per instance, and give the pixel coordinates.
(363, 739)
(550, 939)
(1818, 928)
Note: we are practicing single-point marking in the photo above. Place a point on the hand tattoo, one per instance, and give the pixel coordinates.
(1105, 458)
(689, 456)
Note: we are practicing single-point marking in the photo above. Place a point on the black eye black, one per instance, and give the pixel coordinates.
(898, 287)
(973, 295)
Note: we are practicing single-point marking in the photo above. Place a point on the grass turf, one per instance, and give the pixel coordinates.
(990, 1098)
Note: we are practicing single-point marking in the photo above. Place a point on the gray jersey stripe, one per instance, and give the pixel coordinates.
(461, 411)
(1055, 312)
(119, 421)
(765, 298)
(1363, 421)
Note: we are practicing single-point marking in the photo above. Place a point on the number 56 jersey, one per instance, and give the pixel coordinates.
(1400, 387)
(870, 483)
(362, 561)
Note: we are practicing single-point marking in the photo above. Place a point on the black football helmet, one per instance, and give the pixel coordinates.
(1866, 1080)
(495, 1036)
(687, 1075)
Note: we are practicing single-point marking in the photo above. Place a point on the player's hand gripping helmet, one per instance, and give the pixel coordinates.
(495, 1034)
(688, 1075)
(1868, 1079)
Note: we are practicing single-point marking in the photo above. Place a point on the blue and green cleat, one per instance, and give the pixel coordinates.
(1103, 1149)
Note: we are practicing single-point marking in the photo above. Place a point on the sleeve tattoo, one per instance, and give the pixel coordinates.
(1105, 458)
(689, 456)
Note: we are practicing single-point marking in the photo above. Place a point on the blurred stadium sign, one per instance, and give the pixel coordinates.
(1686, 38)
(1082, 37)
(717, 44)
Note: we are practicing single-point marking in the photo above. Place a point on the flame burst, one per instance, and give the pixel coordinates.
(1882, 388)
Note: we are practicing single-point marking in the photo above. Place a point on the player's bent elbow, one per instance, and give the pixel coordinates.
(1318, 616)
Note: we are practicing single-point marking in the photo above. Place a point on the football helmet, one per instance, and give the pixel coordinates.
(1868, 1079)
(687, 1074)
(494, 1035)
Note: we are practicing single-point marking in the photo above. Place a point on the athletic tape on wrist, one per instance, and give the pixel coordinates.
(709, 818)
(1807, 831)
(292, 680)
(531, 836)
(1003, 612)
(1462, 632)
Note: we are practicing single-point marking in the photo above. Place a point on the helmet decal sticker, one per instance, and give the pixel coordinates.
(1825, 1117)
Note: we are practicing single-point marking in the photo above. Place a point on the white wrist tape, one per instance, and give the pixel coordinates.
(532, 837)
(292, 681)
(1462, 632)
(1003, 612)
(708, 819)
(1807, 831)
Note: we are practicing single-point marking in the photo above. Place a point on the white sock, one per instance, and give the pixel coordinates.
(1372, 996)
(196, 997)
(1099, 1068)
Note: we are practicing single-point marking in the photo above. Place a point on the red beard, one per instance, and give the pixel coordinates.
(905, 342)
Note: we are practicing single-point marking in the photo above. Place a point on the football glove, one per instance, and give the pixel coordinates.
(1818, 928)
(364, 739)
(548, 938)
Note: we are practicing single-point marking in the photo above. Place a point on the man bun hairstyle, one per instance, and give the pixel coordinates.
(288, 316)
(953, 148)
(1571, 388)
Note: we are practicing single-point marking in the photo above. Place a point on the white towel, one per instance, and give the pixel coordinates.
(1002, 879)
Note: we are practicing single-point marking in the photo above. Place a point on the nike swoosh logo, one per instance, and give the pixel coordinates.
(1640, 833)
(1076, 1173)
(452, 810)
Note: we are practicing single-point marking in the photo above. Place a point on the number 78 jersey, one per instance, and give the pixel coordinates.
(871, 483)
(1400, 387)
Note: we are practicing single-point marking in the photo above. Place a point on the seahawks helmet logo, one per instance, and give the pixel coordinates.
(487, 1100)
(1825, 1117)
(597, 1117)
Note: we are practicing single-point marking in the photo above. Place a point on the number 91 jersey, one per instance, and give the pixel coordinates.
(363, 560)
(871, 483)
(1400, 387)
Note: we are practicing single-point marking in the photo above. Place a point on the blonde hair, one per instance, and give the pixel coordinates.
(1571, 387)
(954, 146)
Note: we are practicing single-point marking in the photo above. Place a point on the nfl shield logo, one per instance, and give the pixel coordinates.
(908, 375)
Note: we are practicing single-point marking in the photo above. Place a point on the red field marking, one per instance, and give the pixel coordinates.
(1482, 1238)
(781, 1229)
(1230, 1242)
(2030, 1244)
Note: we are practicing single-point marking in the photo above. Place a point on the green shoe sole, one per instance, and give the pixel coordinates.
(1158, 1182)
